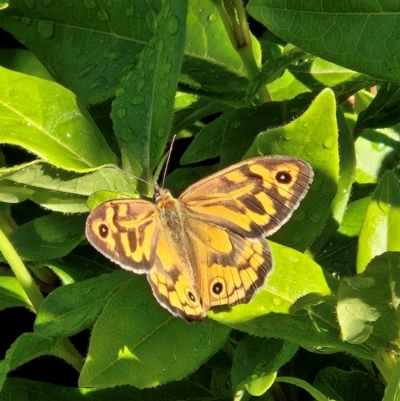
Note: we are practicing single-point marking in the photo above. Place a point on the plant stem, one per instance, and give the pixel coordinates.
(66, 351)
(21, 272)
(386, 361)
(64, 348)
(237, 28)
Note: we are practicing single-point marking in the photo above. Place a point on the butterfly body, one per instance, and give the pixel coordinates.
(207, 247)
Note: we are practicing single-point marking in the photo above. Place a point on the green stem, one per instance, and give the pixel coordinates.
(64, 348)
(237, 28)
(386, 361)
(21, 272)
(66, 351)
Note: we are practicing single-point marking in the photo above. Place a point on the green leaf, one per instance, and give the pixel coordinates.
(75, 307)
(376, 151)
(392, 391)
(142, 111)
(47, 120)
(340, 385)
(279, 293)
(135, 341)
(305, 386)
(368, 304)
(28, 346)
(48, 237)
(379, 231)
(175, 391)
(313, 137)
(256, 363)
(347, 166)
(382, 111)
(318, 27)
(60, 190)
(12, 294)
(232, 134)
(92, 64)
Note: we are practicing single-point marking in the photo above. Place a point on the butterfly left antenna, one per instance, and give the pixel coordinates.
(168, 159)
(129, 174)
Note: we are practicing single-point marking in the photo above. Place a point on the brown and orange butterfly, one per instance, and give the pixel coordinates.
(207, 247)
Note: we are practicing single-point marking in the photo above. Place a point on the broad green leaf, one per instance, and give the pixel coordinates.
(279, 293)
(81, 264)
(392, 391)
(232, 134)
(340, 385)
(75, 307)
(382, 111)
(47, 120)
(313, 137)
(376, 150)
(339, 254)
(318, 396)
(256, 363)
(318, 28)
(135, 341)
(48, 237)
(294, 305)
(368, 304)
(347, 166)
(379, 231)
(12, 294)
(92, 64)
(142, 111)
(175, 391)
(28, 346)
(60, 190)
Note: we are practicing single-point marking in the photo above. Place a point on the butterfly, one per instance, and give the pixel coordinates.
(206, 247)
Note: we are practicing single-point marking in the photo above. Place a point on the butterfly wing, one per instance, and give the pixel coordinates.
(232, 268)
(173, 282)
(252, 198)
(125, 231)
(229, 213)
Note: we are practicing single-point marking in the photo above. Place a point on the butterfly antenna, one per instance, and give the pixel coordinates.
(168, 159)
(129, 174)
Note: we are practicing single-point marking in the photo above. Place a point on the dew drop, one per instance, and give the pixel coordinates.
(212, 17)
(119, 92)
(26, 21)
(140, 85)
(151, 21)
(173, 25)
(328, 143)
(89, 4)
(121, 113)
(136, 100)
(161, 132)
(129, 11)
(126, 135)
(46, 29)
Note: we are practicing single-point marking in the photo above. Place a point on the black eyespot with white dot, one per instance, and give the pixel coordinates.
(191, 296)
(283, 177)
(217, 288)
(103, 231)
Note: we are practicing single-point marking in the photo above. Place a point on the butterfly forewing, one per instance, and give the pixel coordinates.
(125, 231)
(252, 198)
